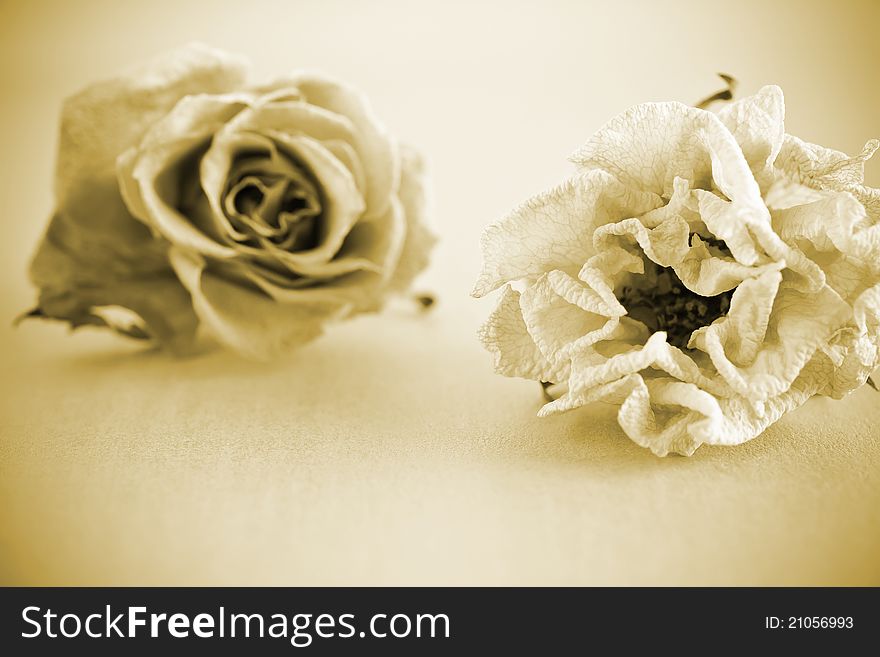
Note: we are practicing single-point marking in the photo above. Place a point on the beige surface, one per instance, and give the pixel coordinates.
(388, 452)
(121, 467)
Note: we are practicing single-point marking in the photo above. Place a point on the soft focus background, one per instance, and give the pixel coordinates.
(388, 452)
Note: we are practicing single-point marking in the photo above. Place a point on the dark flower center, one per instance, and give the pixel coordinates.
(669, 305)
(248, 199)
(283, 210)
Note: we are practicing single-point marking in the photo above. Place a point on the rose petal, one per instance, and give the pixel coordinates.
(419, 239)
(95, 252)
(345, 153)
(342, 202)
(245, 319)
(150, 184)
(376, 243)
(105, 119)
(729, 222)
(295, 117)
(232, 156)
(378, 151)
(80, 267)
(357, 276)
(816, 165)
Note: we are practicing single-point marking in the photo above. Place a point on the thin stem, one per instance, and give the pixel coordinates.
(724, 94)
(426, 300)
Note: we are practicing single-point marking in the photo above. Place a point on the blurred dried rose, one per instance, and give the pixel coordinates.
(186, 197)
(708, 273)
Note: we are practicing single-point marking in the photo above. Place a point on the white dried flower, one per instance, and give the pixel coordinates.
(707, 272)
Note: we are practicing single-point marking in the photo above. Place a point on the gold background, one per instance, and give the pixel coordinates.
(388, 452)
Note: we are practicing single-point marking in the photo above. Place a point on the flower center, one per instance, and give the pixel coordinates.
(248, 199)
(281, 209)
(669, 305)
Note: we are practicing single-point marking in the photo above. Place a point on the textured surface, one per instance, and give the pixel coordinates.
(127, 467)
(388, 451)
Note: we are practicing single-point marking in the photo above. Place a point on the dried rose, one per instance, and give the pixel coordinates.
(187, 197)
(708, 273)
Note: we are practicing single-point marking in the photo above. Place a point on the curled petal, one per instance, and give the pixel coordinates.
(828, 169)
(295, 117)
(418, 239)
(505, 335)
(666, 244)
(246, 319)
(851, 235)
(148, 181)
(555, 229)
(343, 204)
(758, 125)
(678, 414)
(709, 275)
(747, 318)
(651, 145)
(357, 277)
(559, 324)
(800, 324)
(377, 149)
(636, 415)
